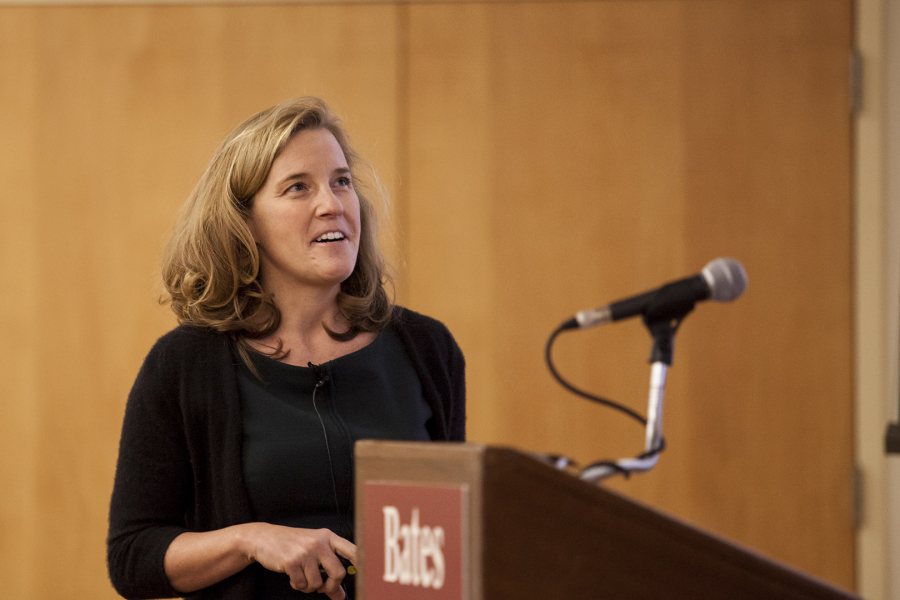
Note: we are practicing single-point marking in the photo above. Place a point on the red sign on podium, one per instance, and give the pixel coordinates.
(414, 538)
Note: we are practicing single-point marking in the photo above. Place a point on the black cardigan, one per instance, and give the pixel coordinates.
(180, 461)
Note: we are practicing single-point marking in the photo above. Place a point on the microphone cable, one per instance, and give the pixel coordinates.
(548, 358)
(613, 466)
(321, 378)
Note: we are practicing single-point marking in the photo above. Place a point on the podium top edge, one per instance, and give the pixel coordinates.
(369, 447)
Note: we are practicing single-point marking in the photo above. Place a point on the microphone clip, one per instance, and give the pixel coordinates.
(662, 330)
(319, 372)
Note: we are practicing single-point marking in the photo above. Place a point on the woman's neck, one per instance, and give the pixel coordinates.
(301, 334)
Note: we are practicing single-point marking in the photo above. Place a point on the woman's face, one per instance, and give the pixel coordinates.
(305, 218)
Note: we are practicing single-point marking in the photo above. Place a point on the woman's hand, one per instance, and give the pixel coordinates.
(298, 553)
(195, 560)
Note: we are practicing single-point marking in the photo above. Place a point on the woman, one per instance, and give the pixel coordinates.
(234, 477)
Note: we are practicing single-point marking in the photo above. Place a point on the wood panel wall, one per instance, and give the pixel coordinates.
(545, 157)
(596, 150)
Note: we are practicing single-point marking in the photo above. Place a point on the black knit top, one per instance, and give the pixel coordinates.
(180, 465)
(300, 424)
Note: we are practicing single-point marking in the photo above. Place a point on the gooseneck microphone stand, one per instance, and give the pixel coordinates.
(662, 310)
(663, 333)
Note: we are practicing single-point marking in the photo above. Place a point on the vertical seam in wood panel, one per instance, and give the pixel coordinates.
(401, 196)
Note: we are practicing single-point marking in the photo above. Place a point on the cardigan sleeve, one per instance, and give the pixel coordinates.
(441, 367)
(458, 385)
(152, 488)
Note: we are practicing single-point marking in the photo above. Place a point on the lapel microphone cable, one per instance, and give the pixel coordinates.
(322, 378)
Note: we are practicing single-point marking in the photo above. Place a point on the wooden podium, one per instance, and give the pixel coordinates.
(519, 529)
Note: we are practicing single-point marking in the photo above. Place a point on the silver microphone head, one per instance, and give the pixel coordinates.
(726, 279)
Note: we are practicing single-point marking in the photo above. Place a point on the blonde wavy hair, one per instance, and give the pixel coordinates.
(211, 265)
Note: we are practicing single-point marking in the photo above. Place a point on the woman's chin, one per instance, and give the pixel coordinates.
(330, 278)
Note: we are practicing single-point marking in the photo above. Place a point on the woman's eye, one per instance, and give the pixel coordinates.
(343, 182)
(298, 187)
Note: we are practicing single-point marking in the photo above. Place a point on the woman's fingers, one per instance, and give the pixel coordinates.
(333, 568)
(338, 594)
(321, 580)
(311, 558)
(344, 547)
(333, 572)
(298, 581)
(314, 579)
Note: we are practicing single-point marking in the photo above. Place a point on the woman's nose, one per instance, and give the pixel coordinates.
(328, 204)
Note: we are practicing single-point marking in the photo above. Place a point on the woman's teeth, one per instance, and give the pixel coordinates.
(331, 236)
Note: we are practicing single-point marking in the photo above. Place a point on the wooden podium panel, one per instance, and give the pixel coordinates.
(530, 531)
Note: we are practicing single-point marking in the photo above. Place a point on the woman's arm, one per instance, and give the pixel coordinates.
(152, 484)
(197, 560)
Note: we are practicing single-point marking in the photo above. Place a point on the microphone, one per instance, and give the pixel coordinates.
(320, 373)
(723, 280)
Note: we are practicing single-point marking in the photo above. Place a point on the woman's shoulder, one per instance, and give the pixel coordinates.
(188, 335)
(422, 331)
(410, 320)
(188, 343)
